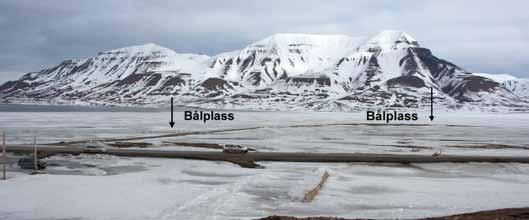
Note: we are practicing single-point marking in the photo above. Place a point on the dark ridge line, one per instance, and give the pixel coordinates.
(248, 159)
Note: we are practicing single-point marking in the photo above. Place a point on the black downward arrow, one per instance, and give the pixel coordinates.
(431, 104)
(171, 122)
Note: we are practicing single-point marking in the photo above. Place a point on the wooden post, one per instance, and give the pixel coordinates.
(35, 158)
(4, 156)
(310, 195)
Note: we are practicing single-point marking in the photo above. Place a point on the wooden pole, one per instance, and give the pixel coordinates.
(310, 195)
(4, 156)
(35, 152)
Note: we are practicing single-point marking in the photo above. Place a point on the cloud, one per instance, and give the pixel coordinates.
(477, 35)
(7, 76)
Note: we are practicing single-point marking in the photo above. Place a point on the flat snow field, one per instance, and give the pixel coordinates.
(109, 187)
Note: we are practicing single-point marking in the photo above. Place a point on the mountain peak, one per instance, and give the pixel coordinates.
(289, 38)
(322, 45)
(147, 48)
(303, 35)
(391, 39)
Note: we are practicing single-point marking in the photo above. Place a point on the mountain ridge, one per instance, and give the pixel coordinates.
(283, 71)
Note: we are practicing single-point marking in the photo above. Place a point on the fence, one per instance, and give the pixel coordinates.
(4, 154)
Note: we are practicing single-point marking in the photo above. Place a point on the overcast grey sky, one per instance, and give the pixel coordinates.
(481, 36)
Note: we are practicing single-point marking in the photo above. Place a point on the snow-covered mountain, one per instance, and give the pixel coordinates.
(516, 85)
(283, 71)
(280, 56)
(125, 75)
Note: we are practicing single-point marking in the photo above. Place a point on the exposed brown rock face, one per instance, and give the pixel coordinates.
(498, 214)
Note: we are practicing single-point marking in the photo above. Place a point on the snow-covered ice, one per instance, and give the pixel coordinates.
(187, 189)
(108, 187)
(454, 132)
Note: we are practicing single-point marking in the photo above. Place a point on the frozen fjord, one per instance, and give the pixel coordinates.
(178, 189)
